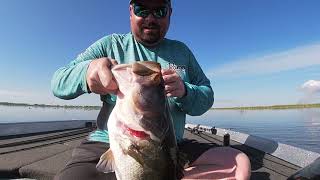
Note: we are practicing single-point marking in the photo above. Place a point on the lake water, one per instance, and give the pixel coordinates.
(297, 127)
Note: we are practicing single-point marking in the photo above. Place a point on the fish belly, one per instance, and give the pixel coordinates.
(128, 168)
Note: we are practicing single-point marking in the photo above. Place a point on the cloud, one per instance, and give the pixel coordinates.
(311, 87)
(300, 57)
(23, 96)
(46, 97)
(10, 93)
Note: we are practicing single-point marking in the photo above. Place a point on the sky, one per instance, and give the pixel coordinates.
(253, 52)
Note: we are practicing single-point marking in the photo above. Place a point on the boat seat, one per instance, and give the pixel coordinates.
(11, 163)
(40, 155)
(46, 168)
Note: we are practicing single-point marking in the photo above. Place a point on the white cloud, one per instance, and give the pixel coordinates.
(85, 99)
(21, 96)
(296, 58)
(311, 87)
(46, 97)
(10, 93)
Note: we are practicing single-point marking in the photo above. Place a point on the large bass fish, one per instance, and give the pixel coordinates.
(142, 140)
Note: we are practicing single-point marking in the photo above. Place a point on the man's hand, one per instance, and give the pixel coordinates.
(174, 86)
(99, 77)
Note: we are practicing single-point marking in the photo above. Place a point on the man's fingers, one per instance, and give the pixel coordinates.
(169, 88)
(173, 83)
(173, 93)
(108, 82)
(175, 89)
(170, 78)
(99, 76)
(108, 62)
(112, 85)
(105, 77)
(167, 71)
(92, 76)
(113, 62)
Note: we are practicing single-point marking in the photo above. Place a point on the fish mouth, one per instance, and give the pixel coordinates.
(133, 132)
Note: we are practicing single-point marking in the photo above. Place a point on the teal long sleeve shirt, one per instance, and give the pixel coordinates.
(70, 81)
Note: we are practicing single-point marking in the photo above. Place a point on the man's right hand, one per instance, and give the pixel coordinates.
(99, 76)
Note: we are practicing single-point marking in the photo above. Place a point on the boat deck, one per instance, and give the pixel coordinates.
(41, 155)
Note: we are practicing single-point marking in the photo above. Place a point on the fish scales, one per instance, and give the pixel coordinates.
(141, 134)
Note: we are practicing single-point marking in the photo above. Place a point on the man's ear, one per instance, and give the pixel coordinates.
(130, 10)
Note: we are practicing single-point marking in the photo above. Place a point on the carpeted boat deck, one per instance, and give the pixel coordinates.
(41, 155)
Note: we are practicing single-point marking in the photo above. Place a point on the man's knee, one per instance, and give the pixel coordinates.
(243, 171)
(228, 157)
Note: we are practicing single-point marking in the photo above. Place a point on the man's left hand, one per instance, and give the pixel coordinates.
(174, 86)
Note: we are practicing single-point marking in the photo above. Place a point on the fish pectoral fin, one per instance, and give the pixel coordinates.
(133, 152)
(106, 163)
(182, 163)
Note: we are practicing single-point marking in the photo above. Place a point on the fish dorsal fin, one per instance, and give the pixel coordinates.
(149, 72)
(106, 163)
(146, 68)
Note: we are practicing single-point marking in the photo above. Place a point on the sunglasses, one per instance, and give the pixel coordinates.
(143, 12)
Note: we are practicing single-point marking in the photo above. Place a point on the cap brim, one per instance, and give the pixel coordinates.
(167, 1)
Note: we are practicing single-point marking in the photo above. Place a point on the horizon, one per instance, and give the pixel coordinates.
(230, 107)
(254, 53)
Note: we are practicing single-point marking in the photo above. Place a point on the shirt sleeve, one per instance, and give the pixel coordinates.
(70, 81)
(199, 94)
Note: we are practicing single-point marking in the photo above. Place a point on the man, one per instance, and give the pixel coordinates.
(184, 81)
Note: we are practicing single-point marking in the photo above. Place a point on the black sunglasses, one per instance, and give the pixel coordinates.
(143, 12)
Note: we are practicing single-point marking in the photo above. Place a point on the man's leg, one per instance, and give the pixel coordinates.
(215, 162)
(82, 165)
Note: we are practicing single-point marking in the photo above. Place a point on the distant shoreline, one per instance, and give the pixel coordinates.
(51, 106)
(274, 107)
(290, 106)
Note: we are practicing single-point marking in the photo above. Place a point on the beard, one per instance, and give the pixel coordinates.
(150, 37)
(150, 34)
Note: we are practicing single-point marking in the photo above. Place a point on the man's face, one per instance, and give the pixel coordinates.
(149, 30)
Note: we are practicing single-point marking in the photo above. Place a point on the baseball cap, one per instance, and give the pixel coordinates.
(167, 1)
